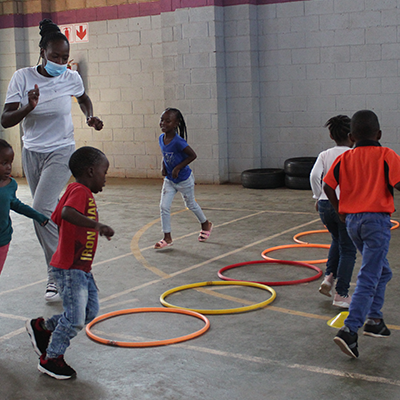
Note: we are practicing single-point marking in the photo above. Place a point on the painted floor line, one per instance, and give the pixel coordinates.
(242, 248)
(120, 303)
(23, 287)
(139, 233)
(261, 360)
(203, 263)
(11, 316)
(12, 334)
(266, 211)
(213, 292)
(135, 245)
(303, 367)
(137, 252)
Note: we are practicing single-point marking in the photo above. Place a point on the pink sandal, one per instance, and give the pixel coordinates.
(161, 244)
(204, 235)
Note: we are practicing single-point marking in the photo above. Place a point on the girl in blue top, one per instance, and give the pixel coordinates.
(8, 201)
(177, 155)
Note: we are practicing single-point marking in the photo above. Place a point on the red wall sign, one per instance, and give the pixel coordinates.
(76, 33)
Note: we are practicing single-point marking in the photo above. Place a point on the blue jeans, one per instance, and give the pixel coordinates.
(81, 305)
(342, 253)
(370, 232)
(186, 189)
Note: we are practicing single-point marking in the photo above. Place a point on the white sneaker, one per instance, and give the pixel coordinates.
(326, 285)
(52, 294)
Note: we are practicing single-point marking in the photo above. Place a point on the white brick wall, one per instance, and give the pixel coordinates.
(349, 61)
(10, 40)
(255, 83)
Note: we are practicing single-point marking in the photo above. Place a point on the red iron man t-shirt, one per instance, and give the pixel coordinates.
(76, 245)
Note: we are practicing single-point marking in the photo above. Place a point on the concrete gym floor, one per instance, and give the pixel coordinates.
(283, 351)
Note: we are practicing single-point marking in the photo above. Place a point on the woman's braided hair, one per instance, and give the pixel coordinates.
(49, 32)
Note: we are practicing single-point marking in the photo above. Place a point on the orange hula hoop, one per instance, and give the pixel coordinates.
(151, 343)
(395, 224)
(296, 237)
(291, 246)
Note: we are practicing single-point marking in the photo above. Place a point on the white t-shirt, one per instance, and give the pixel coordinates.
(321, 167)
(49, 126)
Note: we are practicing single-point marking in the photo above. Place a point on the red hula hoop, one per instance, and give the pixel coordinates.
(282, 283)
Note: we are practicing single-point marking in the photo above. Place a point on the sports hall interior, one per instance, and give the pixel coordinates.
(256, 81)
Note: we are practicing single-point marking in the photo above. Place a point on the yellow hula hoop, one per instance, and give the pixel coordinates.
(296, 237)
(298, 246)
(153, 342)
(220, 283)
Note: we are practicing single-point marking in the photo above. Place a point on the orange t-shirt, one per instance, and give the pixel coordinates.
(366, 176)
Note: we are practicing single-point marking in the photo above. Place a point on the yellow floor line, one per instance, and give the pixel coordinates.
(138, 253)
(238, 250)
(213, 292)
(137, 236)
(202, 264)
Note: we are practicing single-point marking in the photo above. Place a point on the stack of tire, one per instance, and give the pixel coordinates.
(297, 172)
(263, 178)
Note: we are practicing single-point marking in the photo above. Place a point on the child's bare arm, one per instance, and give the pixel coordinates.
(74, 217)
(331, 195)
(191, 157)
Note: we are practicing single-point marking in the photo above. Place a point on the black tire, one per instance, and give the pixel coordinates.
(297, 182)
(263, 178)
(300, 166)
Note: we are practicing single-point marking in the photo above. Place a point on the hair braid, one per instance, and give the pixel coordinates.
(49, 32)
(181, 122)
(339, 127)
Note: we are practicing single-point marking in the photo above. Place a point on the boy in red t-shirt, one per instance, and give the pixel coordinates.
(366, 176)
(77, 219)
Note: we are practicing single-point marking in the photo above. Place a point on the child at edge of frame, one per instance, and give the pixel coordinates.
(178, 177)
(9, 201)
(342, 253)
(366, 176)
(77, 218)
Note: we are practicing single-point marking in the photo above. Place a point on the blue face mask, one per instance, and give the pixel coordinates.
(54, 69)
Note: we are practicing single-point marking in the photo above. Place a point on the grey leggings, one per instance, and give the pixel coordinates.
(47, 174)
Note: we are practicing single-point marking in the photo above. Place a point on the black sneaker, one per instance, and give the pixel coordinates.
(376, 330)
(347, 342)
(55, 367)
(40, 337)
